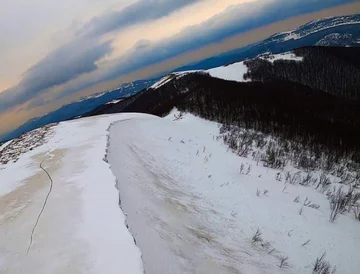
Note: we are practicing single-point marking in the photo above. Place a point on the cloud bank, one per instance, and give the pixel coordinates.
(76, 66)
(81, 54)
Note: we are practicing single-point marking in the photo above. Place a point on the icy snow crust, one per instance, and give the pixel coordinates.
(192, 212)
(186, 205)
(82, 228)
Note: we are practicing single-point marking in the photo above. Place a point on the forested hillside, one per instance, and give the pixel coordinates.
(311, 102)
(332, 69)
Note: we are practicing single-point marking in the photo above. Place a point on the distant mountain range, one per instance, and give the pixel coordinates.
(337, 31)
(79, 107)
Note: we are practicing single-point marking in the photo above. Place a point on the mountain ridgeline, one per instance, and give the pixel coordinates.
(313, 102)
(78, 108)
(343, 31)
(334, 31)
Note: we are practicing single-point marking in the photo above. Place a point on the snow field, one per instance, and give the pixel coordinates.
(82, 228)
(186, 202)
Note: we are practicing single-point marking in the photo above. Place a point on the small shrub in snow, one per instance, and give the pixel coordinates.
(305, 161)
(355, 198)
(287, 177)
(248, 170)
(306, 243)
(321, 266)
(301, 210)
(241, 168)
(266, 192)
(284, 262)
(323, 183)
(178, 116)
(314, 206)
(278, 176)
(356, 210)
(339, 171)
(307, 202)
(297, 199)
(271, 251)
(273, 158)
(293, 179)
(257, 237)
(258, 193)
(340, 202)
(306, 180)
(276, 152)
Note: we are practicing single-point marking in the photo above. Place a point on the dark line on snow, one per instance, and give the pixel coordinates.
(42, 209)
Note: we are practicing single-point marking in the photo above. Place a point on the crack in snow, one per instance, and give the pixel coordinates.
(42, 209)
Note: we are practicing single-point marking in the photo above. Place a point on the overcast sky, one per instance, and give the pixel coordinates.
(51, 50)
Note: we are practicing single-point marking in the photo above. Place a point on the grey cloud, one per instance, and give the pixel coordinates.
(235, 20)
(68, 62)
(59, 67)
(80, 55)
(145, 53)
(139, 12)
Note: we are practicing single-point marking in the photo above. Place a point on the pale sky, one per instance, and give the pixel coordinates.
(30, 38)
(52, 52)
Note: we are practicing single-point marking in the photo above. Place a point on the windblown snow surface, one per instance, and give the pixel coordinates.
(186, 205)
(191, 211)
(81, 229)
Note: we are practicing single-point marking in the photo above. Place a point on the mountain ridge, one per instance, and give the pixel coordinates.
(286, 107)
(343, 25)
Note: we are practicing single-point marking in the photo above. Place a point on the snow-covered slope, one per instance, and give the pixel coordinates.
(232, 72)
(113, 102)
(81, 228)
(336, 39)
(289, 56)
(162, 81)
(4, 145)
(191, 204)
(316, 26)
(192, 211)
